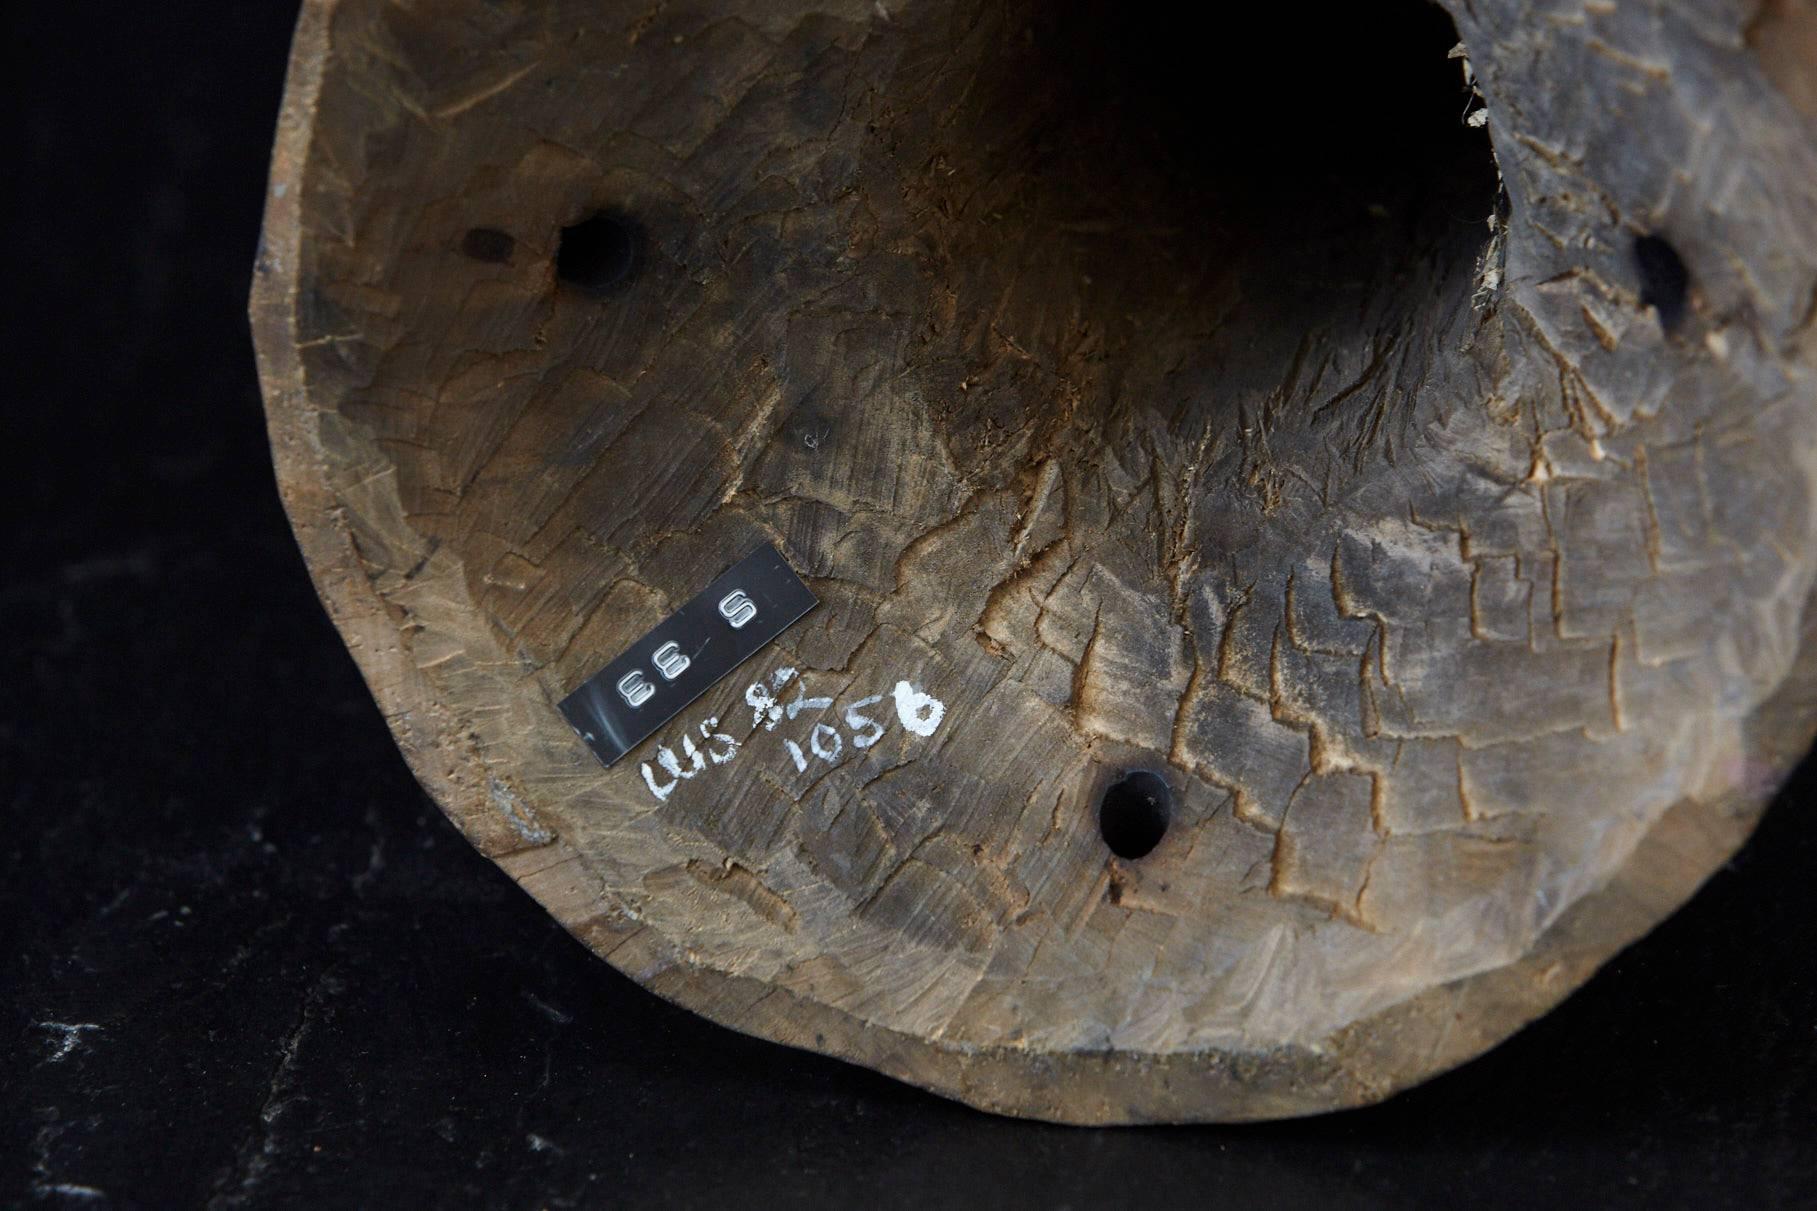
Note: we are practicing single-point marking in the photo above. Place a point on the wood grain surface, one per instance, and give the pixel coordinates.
(1394, 435)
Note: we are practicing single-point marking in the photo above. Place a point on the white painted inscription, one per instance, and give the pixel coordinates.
(917, 711)
(920, 713)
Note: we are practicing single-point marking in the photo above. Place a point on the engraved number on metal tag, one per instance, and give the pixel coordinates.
(635, 688)
(717, 630)
(737, 608)
(669, 661)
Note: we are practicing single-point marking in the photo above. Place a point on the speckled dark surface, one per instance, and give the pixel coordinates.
(246, 962)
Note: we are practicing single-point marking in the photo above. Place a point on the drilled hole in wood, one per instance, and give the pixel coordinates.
(1134, 814)
(599, 254)
(1664, 279)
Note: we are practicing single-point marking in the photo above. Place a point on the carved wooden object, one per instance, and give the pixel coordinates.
(1374, 475)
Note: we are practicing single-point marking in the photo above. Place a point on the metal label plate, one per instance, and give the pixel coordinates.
(718, 629)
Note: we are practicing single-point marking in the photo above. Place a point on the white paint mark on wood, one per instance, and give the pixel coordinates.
(919, 712)
(865, 730)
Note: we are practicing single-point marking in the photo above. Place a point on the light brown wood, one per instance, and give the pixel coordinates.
(1270, 411)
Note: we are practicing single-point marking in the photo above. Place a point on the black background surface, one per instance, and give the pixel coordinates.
(296, 985)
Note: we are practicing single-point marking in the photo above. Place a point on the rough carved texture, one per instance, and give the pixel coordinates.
(1452, 575)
